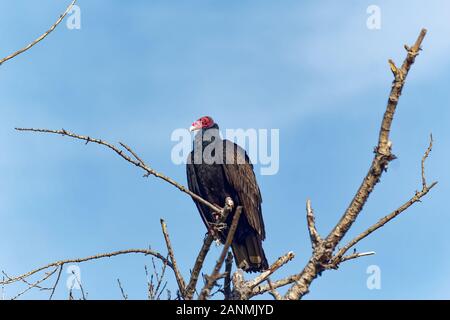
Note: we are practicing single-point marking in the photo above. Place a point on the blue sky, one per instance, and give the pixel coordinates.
(137, 70)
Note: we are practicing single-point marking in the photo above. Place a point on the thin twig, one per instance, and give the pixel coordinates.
(424, 158)
(357, 255)
(42, 37)
(27, 282)
(56, 282)
(83, 295)
(122, 291)
(94, 257)
(159, 281)
(47, 275)
(416, 198)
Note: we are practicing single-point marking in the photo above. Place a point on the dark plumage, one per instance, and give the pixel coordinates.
(229, 174)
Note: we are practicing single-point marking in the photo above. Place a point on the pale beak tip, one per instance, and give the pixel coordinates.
(191, 128)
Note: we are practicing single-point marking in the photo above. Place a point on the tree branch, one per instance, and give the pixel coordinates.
(357, 255)
(122, 291)
(32, 285)
(212, 279)
(42, 37)
(247, 289)
(322, 254)
(136, 161)
(281, 261)
(227, 280)
(79, 260)
(56, 282)
(383, 153)
(416, 198)
(313, 234)
(275, 294)
(178, 276)
(190, 290)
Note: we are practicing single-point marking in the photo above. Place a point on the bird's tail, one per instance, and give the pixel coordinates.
(249, 254)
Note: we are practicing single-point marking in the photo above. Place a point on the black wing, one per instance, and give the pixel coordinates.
(195, 188)
(240, 176)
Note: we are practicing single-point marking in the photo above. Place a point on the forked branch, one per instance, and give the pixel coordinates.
(322, 257)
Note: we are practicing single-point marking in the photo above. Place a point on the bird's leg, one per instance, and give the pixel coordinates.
(219, 224)
(223, 214)
(229, 203)
(216, 216)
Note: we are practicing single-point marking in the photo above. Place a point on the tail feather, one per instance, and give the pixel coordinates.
(249, 254)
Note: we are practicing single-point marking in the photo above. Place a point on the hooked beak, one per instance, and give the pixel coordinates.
(195, 126)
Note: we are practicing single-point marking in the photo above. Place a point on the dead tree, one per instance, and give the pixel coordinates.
(325, 252)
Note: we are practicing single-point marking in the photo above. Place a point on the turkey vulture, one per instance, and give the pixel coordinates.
(217, 169)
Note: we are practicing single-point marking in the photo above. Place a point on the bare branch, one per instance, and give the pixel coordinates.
(227, 280)
(416, 198)
(134, 154)
(247, 289)
(178, 276)
(340, 256)
(322, 254)
(122, 291)
(159, 279)
(382, 222)
(190, 290)
(94, 257)
(275, 294)
(313, 234)
(274, 285)
(83, 295)
(281, 261)
(137, 161)
(357, 255)
(424, 158)
(42, 37)
(383, 153)
(34, 285)
(31, 285)
(211, 280)
(56, 282)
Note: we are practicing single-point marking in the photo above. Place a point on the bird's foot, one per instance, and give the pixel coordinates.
(229, 202)
(218, 227)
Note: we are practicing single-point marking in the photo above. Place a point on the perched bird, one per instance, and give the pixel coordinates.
(217, 169)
